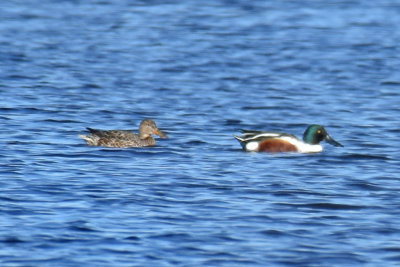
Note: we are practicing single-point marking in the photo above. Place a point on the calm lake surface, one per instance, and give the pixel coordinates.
(202, 70)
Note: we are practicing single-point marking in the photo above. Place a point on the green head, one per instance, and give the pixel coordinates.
(317, 133)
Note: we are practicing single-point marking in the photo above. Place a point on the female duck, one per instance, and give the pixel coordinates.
(261, 141)
(123, 138)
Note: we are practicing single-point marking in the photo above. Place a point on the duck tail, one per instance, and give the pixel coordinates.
(91, 139)
(92, 131)
(240, 139)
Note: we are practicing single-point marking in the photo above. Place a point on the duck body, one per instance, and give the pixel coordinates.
(274, 142)
(124, 138)
(116, 138)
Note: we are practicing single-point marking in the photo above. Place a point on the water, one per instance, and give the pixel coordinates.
(202, 71)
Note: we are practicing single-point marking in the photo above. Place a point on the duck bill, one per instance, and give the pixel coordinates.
(332, 141)
(160, 133)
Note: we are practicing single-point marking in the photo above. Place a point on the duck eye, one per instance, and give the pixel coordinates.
(319, 132)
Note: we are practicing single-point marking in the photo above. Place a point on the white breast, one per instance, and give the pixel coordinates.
(307, 148)
(301, 146)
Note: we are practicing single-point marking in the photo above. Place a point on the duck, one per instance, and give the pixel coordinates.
(275, 142)
(125, 138)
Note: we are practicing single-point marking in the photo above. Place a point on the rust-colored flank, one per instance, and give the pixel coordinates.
(276, 145)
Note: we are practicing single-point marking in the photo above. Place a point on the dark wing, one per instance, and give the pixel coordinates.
(250, 135)
(111, 133)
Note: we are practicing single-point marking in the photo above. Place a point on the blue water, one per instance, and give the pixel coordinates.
(202, 70)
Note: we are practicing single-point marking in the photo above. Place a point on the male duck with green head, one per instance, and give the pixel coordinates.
(263, 141)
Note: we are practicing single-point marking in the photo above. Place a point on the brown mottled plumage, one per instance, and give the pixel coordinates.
(123, 138)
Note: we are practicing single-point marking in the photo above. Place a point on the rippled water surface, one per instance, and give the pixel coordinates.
(202, 70)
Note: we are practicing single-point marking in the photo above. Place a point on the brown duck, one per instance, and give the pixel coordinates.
(124, 138)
